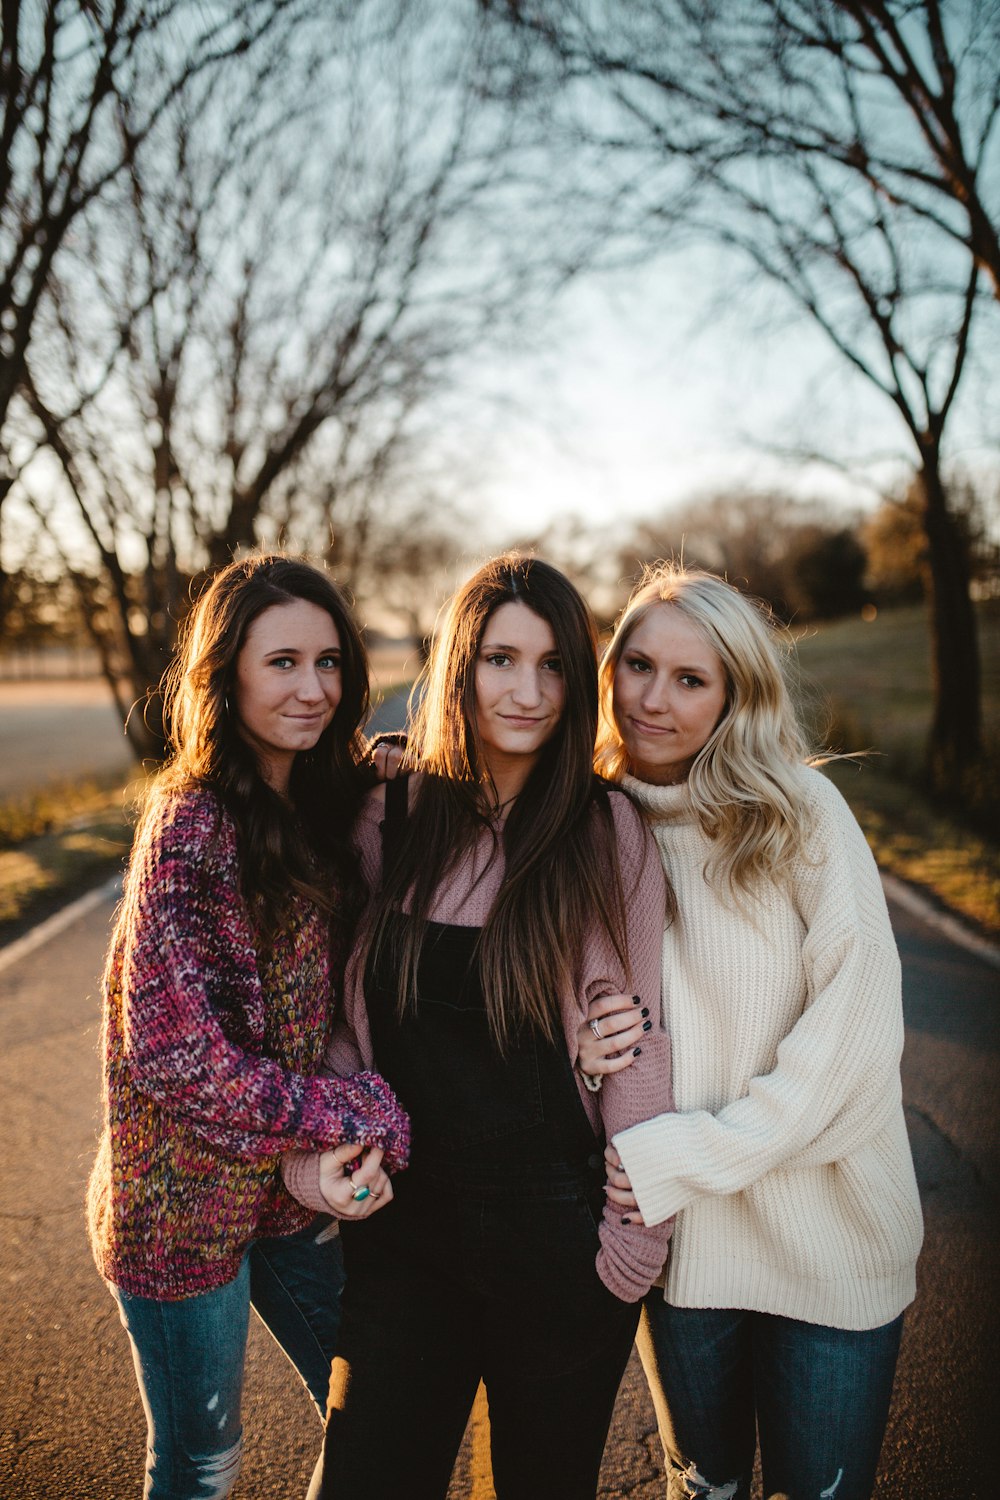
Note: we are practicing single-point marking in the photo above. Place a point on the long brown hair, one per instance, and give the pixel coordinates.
(279, 846)
(562, 873)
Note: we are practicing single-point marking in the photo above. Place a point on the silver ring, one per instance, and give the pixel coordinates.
(596, 1030)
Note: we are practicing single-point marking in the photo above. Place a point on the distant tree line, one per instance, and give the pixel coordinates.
(809, 560)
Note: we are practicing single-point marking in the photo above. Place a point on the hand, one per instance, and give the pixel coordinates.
(622, 1022)
(387, 760)
(346, 1169)
(619, 1189)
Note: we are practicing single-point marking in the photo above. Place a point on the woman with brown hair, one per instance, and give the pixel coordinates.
(228, 946)
(512, 886)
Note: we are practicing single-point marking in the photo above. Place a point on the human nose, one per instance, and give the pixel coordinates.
(309, 688)
(526, 690)
(655, 694)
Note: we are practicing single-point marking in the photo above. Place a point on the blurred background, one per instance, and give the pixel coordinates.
(397, 285)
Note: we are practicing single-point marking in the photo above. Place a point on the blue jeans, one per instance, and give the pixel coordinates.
(189, 1357)
(819, 1398)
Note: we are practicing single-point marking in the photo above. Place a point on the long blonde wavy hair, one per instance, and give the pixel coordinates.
(745, 784)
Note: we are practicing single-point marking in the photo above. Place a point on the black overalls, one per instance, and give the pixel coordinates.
(483, 1266)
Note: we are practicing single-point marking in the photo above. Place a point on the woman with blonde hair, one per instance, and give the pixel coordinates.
(787, 1162)
(511, 887)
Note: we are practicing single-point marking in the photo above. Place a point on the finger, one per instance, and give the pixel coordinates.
(380, 759)
(624, 1200)
(380, 1196)
(622, 1031)
(611, 1157)
(365, 1174)
(608, 1005)
(595, 1065)
(393, 761)
(346, 1152)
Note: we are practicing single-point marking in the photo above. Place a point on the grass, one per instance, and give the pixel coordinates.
(58, 843)
(865, 686)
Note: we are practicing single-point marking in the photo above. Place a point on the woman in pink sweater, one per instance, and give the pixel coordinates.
(512, 887)
(238, 910)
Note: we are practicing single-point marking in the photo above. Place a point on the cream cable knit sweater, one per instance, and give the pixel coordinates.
(787, 1163)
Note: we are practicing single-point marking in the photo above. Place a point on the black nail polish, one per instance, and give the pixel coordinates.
(636, 1051)
(626, 1220)
(647, 1025)
(636, 1000)
(644, 1012)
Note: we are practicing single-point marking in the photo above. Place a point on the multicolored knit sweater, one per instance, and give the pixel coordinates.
(210, 1052)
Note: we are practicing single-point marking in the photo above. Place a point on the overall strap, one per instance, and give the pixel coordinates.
(397, 806)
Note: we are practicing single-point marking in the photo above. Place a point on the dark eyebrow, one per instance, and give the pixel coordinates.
(297, 651)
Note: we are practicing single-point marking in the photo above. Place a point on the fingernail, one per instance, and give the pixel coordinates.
(647, 1025)
(636, 1051)
(644, 1011)
(626, 1220)
(636, 1000)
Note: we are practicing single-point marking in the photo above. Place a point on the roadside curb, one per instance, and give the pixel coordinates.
(52, 926)
(913, 900)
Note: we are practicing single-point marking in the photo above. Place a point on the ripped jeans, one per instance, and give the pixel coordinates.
(818, 1397)
(189, 1357)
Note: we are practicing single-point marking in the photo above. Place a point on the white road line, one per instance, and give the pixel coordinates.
(916, 902)
(58, 922)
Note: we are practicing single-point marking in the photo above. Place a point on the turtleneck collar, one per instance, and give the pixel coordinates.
(664, 803)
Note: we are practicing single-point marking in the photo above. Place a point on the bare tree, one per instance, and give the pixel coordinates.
(83, 87)
(802, 557)
(847, 150)
(239, 345)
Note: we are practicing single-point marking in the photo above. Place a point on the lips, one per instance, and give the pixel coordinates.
(644, 728)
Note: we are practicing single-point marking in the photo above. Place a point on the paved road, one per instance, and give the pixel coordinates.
(59, 731)
(54, 731)
(70, 1422)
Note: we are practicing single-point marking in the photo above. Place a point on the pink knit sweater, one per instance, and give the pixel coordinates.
(631, 1256)
(208, 1050)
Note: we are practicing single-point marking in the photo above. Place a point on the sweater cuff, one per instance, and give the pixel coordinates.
(300, 1174)
(658, 1193)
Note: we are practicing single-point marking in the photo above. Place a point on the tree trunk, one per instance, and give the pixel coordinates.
(955, 743)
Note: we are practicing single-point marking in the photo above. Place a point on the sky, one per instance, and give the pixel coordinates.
(665, 382)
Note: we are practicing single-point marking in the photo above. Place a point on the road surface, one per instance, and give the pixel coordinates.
(70, 1420)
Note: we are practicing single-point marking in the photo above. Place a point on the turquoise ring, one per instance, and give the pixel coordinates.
(360, 1194)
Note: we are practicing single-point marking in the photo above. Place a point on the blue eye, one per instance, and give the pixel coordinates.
(329, 661)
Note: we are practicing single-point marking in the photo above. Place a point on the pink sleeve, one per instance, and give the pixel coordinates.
(349, 1049)
(632, 1255)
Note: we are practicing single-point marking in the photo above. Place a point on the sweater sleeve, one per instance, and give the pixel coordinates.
(631, 1256)
(347, 1051)
(836, 1073)
(189, 956)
